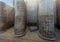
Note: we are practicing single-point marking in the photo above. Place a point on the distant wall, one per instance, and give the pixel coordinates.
(31, 11)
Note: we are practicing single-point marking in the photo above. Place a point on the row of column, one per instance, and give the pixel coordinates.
(40, 13)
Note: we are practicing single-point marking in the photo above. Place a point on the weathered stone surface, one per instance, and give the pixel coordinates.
(5, 16)
(32, 11)
(33, 28)
(20, 18)
(46, 19)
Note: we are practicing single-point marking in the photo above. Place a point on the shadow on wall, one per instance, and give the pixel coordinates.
(58, 14)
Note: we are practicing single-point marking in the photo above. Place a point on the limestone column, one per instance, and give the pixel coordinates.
(20, 17)
(47, 9)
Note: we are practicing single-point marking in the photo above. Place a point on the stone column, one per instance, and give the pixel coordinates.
(20, 18)
(5, 16)
(2, 16)
(32, 6)
(46, 14)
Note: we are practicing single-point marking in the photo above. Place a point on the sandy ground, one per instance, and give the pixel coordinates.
(8, 36)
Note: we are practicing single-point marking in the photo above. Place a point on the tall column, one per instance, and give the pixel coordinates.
(20, 18)
(46, 14)
(32, 6)
(2, 15)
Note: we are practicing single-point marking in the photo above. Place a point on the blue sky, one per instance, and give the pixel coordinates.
(8, 2)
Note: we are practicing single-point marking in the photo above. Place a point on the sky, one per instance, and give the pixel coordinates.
(8, 2)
